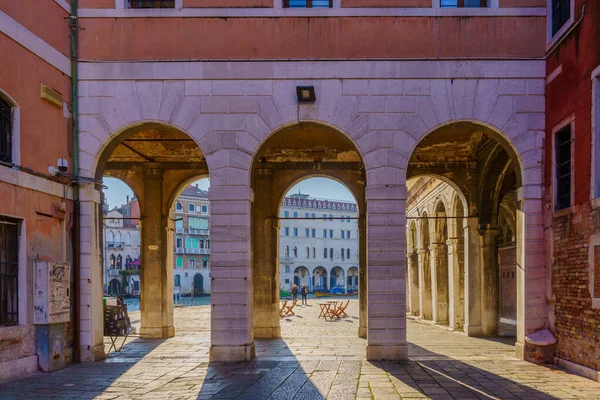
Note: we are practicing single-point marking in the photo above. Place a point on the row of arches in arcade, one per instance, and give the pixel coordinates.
(322, 280)
(159, 160)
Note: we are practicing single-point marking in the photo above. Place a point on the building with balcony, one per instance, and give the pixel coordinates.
(318, 244)
(191, 272)
(121, 253)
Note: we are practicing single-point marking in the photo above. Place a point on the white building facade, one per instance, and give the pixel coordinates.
(121, 255)
(318, 244)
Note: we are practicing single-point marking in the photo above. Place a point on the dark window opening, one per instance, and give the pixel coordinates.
(561, 12)
(463, 3)
(308, 3)
(151, 3)
(9, 272)
(562, 143)
(5, 132)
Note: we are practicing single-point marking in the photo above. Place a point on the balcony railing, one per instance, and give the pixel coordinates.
(287, 260)
(115, 245)
(113, 272)
(179, 230)
(197, 251)
(180, 250)
(203, 232)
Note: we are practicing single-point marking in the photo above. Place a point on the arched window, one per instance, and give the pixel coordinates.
(295, 252)
(331, 253)
(325, 252)
(307, 252)
(343, 254)
(5, 132)
(112, 261)
(179, 262)
(177, 280)
(188, 242)
(314, 253)
(118, 237)
(192, 263)
(128, 238)
(287, 251)
(119, 262)
(348, 254)
(110, 237)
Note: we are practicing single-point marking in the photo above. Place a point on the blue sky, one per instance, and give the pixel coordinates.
(117, 191)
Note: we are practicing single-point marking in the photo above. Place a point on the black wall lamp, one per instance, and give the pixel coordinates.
(306, 94)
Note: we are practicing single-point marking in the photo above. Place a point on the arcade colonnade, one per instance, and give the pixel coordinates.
(158, 125)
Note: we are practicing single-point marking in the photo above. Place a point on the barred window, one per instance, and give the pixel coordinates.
(561, 12)
(9, 272)
(5, 132)
(562, 143)
(463, 3)
(307, 3)
(151, 3)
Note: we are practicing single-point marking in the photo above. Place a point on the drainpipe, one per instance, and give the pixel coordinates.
(74, 25)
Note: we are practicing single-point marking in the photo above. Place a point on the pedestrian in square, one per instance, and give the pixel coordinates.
(304, 292)
(295, 293)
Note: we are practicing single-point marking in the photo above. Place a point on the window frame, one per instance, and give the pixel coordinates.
(22, 287)
(15, 129)
(569, 121)
(550, 38)
(490, 4)
(191, 208)
(595, 148)
(593, 242)
(285, 5)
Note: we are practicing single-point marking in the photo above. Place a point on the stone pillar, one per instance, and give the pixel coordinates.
(266, 258)
(362, 274)
(489, 281)
(386, 205)
(472, 278)
(91, 311)
(439, 282)
(232, 299)
(413, 283)
(156, 278)
(456, 283)
(425, 306)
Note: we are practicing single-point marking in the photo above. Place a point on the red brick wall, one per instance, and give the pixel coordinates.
(577, 324)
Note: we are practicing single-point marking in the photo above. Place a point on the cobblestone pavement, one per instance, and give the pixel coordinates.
(314, 360)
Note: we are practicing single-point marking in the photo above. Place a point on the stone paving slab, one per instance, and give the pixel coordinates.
(314, 360)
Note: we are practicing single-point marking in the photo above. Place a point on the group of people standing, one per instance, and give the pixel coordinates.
(303, 293)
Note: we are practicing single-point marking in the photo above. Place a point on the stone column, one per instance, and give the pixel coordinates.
(472, 278)
(232, 299)
(156, 278)
(266, 258)
(413, 283)
(439, 282)
(456, 283)
(425, 298)
(489, 281)
(386, 205)
(362, 274)
(91, 311)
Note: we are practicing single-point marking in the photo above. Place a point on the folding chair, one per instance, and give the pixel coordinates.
(342, 309)
(289, 310)
(282, 309)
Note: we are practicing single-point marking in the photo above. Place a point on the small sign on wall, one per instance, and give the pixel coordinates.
(51, 299)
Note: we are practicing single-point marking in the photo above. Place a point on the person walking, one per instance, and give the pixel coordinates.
(295, 293)
(304, 292)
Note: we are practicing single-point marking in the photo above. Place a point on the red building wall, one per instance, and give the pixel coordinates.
(576, 323)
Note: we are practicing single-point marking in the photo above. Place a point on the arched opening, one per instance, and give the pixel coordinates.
(352, 280)
(302, 277)
(198, 285)
(114, 287)
(458, 177)
(294, 174)
(157, 162)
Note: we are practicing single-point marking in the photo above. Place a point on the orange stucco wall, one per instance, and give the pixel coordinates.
(226, 3)
(386, 3)
(45, 18)
(96, 4)
(44, 129)
(522, 3)
(358, 37)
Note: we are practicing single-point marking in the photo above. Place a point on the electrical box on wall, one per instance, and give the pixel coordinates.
(51, 298)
